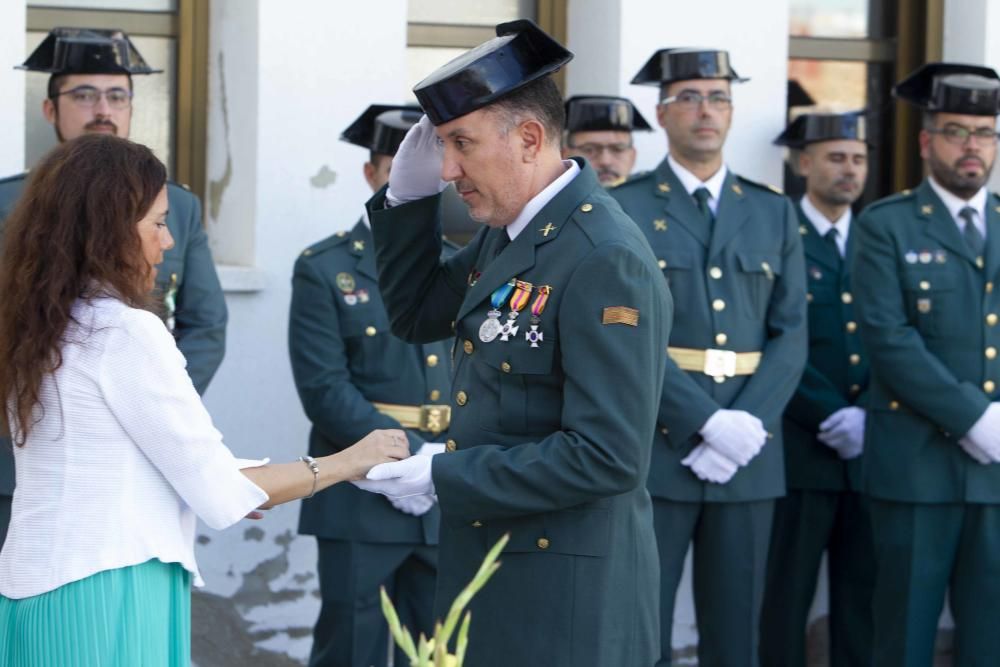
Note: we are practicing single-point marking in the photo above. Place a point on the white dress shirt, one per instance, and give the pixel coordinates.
(539, 201)
(692, 182)
(954, 204)
(122, 460)
(823, 225)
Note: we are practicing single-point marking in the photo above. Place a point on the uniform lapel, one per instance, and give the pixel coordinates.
(731, 215)
(939, 222)
(678, 204)
(361, 247)
(519, 256)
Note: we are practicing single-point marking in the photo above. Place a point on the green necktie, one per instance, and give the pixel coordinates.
(973, 238)
(701, 196)
(831, 240)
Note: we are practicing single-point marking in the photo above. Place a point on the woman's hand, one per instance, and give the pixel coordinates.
(377, 447)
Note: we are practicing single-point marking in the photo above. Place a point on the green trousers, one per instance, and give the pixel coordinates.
(730, 542)
(807, 524)
(923, 551)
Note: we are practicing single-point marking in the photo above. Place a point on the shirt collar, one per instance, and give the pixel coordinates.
(691, 182)
(539, 201)
(954, 204)
(823, 225)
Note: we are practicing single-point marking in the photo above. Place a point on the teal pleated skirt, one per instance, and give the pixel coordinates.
(129, 617)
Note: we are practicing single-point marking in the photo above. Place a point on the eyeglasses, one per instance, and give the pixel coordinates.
(592, 151)
(959, 134)
(88, 97)
(690, 100)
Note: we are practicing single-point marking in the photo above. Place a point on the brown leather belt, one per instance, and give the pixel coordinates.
(431, 418)
(715, 363)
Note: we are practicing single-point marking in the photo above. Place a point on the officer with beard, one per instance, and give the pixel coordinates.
(925, 273)
(599, 128)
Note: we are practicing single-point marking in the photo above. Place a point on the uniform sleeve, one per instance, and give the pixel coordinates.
(604, 446)
(783, 358)
(898, 355)
(815, 399)
(320, 365)
(144, 383)
(422, 292)
(200, 316)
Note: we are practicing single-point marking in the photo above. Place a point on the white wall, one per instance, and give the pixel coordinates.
(12, 27)
(295, 79)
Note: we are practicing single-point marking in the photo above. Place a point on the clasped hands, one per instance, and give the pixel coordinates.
(408, 483)
(730, 440)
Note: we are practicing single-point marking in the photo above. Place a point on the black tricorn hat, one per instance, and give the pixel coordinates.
(952, 88)
(668, 65)
(87, 51)
(798, 96)
(595, 113)
(811, 128)
(519, 54)
(381, 127)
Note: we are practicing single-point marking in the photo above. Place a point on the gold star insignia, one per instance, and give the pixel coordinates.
(359, 245)
(660, 225)
(803, 230)
(663, 187)
(926, 209)
(549, 227)
(737, 189)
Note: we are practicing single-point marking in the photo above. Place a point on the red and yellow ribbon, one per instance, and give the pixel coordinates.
(543, 297)
(522, 292)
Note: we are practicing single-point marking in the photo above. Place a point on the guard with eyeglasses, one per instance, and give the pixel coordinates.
(599, 127)
(824, 510)
(925, 277)
(90, 91)
(731, 252)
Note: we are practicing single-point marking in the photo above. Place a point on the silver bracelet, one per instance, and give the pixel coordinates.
(311, 462)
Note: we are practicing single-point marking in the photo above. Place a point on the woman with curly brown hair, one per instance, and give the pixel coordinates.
(115, 454)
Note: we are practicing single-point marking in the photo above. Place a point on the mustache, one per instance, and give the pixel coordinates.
(606, 171)
(94, 124)
(965, 158)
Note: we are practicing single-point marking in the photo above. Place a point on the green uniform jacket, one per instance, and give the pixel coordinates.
(552, 443)
(187, 281)
(836, 375)
(343, 358)
(928, 317)
(756, 251)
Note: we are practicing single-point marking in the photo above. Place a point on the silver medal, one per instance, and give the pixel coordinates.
(491, 328)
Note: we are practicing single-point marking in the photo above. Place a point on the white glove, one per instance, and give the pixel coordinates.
(709, 465)
(431, 449)
(414, 505)
(416, 167)
(985, 433)
(844, 432)
(736, 434)
(401, 479)
(973, 450)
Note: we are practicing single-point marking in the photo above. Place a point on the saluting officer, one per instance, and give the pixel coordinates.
(824, 424)
(90, 90)
(927, 264)
(599, 128)
(354, 376)
(732, 254)
(555, 300)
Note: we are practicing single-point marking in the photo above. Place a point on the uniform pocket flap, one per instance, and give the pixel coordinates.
(678, 260)
(929, 281)
(517, 357)
(576, 532)
(752, 262)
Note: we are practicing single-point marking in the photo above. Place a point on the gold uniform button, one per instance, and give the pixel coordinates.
(505, 367)
(851, 327)
(846, 297)
(435, 394)
(991, 353)
(925, 285)
(718, 305)
(477, 524)
(432, 360)
(719, 379)
(894, 405)
(370, 331)
(809, 297)
(461, 398)
(989, 386)
(989, 288)
(721, 338)
(450, 445)
(855, 388)
(715, 272)
(542, 543)
(468, 347)
(991, 319)
(855, 359)
(587, 208)
(662, 263)
(664, 430)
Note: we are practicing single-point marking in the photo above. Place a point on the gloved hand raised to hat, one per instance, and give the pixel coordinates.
(416, 167)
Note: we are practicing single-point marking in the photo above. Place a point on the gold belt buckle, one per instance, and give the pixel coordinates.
(720, 363)
(435, 418)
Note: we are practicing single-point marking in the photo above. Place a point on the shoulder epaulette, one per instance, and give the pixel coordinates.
(633, 178)
(892, 199)
(337, 239)
(773, 189)
(15, 177)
